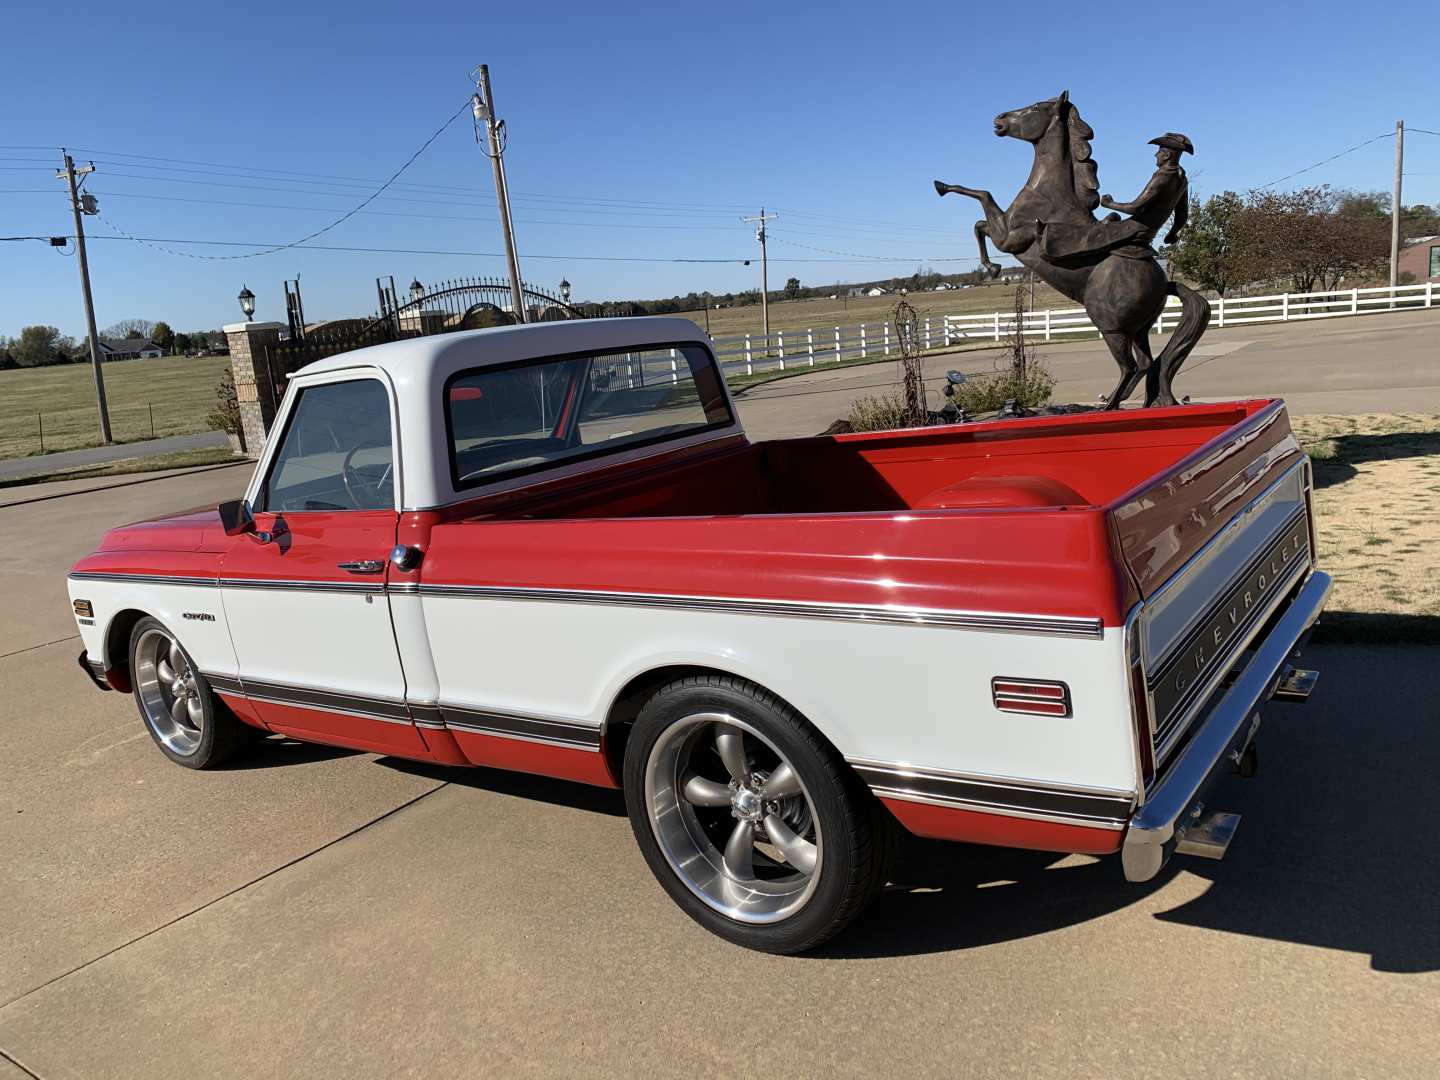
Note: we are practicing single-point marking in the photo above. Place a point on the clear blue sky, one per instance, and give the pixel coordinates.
(641, 131)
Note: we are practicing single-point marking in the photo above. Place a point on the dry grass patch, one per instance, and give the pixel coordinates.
(1377, 505)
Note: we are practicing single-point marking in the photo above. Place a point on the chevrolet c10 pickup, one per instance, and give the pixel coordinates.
(552, 549)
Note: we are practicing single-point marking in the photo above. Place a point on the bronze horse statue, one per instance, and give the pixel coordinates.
(1115, 276)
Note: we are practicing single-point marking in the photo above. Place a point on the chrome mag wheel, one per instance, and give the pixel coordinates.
(169, 693)
(733, 818)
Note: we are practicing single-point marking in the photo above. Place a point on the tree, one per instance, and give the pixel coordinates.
(183, 344)
(40, 345)
(1207, 252)
(1305, 239)
(1419, 220)
(226, 414)
(792, 288)
(162, 335)
(129, 328)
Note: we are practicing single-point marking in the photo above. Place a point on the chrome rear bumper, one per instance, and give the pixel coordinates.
(1160, 823)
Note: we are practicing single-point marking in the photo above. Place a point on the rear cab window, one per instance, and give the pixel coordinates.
(514, 419)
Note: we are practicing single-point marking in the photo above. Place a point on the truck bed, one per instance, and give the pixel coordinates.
(974, 516)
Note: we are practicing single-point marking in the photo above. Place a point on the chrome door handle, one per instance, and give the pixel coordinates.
(364, 566)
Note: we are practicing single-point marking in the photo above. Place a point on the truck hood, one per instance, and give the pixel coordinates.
(198, 529)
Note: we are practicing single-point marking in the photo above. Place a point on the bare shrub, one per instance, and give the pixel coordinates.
(1026, 379)
(880, 413)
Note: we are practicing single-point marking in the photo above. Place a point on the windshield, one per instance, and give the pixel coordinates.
(505, 421)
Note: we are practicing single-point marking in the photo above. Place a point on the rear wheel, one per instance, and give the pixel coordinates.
(178, 707)
(748, 818)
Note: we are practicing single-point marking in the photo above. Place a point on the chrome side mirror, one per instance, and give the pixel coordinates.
(236, 518)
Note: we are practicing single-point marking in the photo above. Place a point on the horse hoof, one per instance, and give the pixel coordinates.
(941, 189)
(992, 271)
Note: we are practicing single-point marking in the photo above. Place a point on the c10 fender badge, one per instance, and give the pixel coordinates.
(198, 616)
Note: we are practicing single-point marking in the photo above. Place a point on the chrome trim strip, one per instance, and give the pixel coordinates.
(426, 714)
(236, 583)
(1061, 625)
(306, 697)
(282, 584)
(149, 579)
(567, 733)
(225, 683)
(1099, 807)
(1160, 824)
(300, 697)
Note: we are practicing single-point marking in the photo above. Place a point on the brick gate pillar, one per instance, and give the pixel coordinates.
(254, 392)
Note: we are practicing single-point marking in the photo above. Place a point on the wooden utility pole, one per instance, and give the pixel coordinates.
(764, 269)
(68, 174)
(1395, 206)
(484, 109)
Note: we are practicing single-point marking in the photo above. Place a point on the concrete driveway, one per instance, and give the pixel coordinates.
(1388, 363)
(314, 912)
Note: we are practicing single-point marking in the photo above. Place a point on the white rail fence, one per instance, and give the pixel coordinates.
(784, 350)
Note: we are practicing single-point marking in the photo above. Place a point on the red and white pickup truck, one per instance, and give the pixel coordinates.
(552, 549)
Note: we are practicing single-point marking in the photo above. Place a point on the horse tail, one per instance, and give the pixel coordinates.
(1194, 318)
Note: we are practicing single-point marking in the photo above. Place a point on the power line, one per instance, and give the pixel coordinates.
(153, 240)
(342, 218)
(1332, 157)
(874, 258)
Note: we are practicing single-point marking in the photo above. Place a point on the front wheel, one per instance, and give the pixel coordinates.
(748, 818)
(178, 707)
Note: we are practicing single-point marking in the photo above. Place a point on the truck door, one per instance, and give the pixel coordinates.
(305, 592)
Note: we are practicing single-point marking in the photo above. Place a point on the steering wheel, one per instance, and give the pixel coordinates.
(364, 493)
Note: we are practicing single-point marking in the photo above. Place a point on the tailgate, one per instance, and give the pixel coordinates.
(1213, 545)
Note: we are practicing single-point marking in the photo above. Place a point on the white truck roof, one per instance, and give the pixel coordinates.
(441, 355)
(416, 367)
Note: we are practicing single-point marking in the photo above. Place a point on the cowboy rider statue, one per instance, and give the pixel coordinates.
(1168, 192)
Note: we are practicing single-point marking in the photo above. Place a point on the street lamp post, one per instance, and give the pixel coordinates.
(417, 291)
(247, 303)
(564, 290)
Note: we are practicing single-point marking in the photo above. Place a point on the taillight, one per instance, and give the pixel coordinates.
(1037, 697)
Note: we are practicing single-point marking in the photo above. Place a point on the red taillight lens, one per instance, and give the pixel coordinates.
(1036, 697)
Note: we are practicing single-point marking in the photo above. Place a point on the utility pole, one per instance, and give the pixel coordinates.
(1395, 206)
(483, 105)
(68, 174)
(764, 268)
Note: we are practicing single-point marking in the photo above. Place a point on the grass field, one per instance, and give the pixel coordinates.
(180, 391)
(1377, 511)
(822, 313)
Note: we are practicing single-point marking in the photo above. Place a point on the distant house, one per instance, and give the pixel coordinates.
(942, 287)
(1421, 256)
(130, 348)
(875, 290)
(1013, 273)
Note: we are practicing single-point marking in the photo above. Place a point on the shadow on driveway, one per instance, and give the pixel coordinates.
(1335, 849)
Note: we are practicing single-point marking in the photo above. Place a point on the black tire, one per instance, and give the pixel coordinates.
(858, 835)
(211, 733)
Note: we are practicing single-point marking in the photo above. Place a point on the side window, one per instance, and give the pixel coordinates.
(336, 452)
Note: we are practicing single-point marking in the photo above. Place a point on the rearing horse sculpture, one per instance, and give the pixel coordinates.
(1117, 279)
